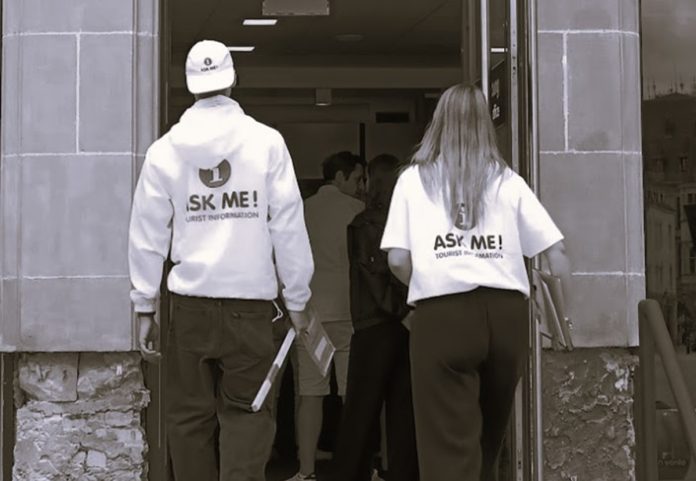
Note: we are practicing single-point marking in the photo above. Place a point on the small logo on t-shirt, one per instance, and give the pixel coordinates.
(217, 176)
(462, 221)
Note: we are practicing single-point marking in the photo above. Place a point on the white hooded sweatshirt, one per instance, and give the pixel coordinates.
(220, 188)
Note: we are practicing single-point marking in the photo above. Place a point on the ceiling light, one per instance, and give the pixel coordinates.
(240, 48)
(498, 50)
(322, 97)
(348, 37)
(260, 22)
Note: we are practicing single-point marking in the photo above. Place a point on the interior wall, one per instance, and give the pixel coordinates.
(313, 132)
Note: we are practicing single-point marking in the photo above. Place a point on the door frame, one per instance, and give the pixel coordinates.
(526, 430)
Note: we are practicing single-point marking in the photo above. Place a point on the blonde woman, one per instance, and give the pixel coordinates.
(459, 227)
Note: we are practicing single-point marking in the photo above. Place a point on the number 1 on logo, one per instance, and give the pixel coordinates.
(216, 175)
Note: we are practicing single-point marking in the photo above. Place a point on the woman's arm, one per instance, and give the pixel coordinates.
(559, 265)
(400, 264)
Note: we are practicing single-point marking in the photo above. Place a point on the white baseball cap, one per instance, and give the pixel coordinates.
(209, 67)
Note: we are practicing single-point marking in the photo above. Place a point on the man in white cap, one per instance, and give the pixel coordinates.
(218, 194)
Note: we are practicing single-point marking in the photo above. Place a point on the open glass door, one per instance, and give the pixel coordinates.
(498, 53)
(495, 49)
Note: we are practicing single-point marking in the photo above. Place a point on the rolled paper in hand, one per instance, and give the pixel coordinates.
(273, 371)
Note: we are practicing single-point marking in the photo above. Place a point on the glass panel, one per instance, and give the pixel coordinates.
(503, 100)
(669, 173)
(499, 85)
(669, 154)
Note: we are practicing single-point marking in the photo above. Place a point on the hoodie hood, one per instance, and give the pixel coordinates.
(210, 131)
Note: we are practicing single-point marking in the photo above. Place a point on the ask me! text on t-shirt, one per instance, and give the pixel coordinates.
(449, 257)
(481, 246)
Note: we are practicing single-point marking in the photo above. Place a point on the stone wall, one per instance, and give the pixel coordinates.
(591, 182)
(80, 86)
(588, 415)
(80, 418)
(590, 159)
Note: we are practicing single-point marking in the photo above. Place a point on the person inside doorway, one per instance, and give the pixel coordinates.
(327, 214)
(219, 189)
(459, 227)
(379, 368)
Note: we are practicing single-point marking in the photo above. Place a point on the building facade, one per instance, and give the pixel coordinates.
(669, 146)
(82, 100)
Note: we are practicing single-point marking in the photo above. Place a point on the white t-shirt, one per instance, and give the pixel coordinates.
(450, 260)
(327, 215)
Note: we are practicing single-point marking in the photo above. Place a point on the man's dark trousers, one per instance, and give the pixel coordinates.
(378, 374)
(218, 353)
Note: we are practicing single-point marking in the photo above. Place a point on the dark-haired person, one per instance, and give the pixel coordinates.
(219, 189)
(327, 215)
(460, 225)
(379, 368)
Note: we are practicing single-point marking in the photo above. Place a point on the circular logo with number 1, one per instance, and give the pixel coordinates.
(217, 176)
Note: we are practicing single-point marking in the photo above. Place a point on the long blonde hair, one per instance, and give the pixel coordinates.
(458, 157)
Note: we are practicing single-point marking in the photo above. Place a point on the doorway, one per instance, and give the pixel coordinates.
(363, 76)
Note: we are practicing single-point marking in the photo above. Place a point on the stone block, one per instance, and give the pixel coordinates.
(11, 106)
(60, 446)
(68, 15)
(588, 415)
(600, 307)
(79, 314)
(585, 196)
(629, 65)
(109, 374)
(75, 212)
(47, 89)
(147, 93)
(10, 315)
(96, 459)
(594, 92)
(49, 377)
(635, 233)
(10, 182)
(106, 93)
(588, 15)
(120, 401)
(551, 116)
(99, 436)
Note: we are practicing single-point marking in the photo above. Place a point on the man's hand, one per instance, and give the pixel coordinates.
(148, 338)
(300, 319)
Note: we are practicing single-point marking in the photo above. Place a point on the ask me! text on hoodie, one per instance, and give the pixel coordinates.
(220, 190)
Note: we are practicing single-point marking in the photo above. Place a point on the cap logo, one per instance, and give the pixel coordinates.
(208, 62)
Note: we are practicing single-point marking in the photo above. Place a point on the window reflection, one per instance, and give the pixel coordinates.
(669, 150)
(669, 155)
